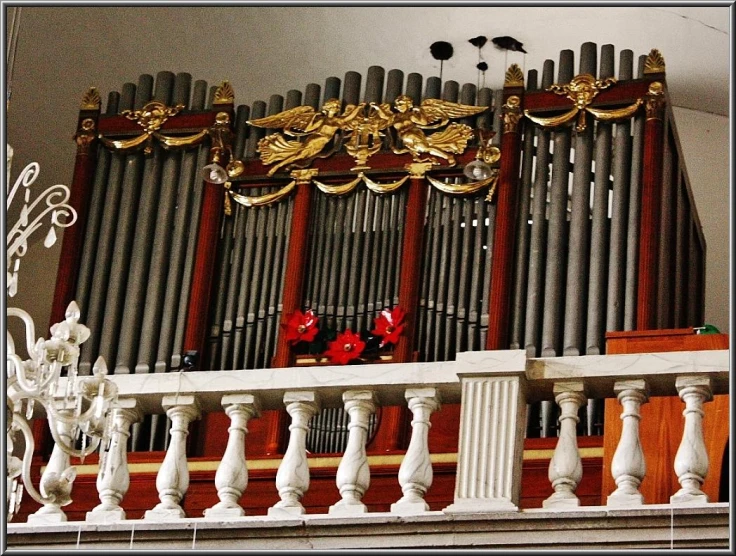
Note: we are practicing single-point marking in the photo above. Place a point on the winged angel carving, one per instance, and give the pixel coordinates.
(317, 128)
(409, 121)
(313, 131)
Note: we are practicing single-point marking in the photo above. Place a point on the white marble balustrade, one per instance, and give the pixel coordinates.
(493, 387)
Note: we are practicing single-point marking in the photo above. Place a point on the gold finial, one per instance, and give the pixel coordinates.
(91, 100)
(224, 94)
(654, 62)
(514, 76)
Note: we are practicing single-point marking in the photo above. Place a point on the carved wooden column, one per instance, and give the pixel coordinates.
(393, 417)
(628, 466)
(353, 473)
(172, 480)
(651, 199)
(691, 460)
(231, 478)
(292, 478)
(57, 479)
(566, 467)
(84, 164)
(504, 236)
(412, 260)
(207, 238)
(113, 479)
(296, 263)
(415, 473)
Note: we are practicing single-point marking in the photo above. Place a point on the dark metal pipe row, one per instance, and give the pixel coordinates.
(620, 206)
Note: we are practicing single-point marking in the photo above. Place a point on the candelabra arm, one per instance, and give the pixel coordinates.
(19, 423)
(30, 330)
(53, 419)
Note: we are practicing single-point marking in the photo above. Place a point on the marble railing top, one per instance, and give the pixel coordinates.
(391, 380)
(600, 372)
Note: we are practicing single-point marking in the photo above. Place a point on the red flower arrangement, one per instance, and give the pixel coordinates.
(390, 325)
(301, 327)
(346, 347)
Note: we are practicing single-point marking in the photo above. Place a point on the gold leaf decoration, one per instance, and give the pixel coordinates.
(91, 100)
(514, 77)
(224, 94)
(654, 62)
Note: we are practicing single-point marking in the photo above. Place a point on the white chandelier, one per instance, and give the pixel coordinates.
(78, 412)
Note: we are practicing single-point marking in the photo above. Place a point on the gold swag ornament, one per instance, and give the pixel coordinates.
(582, 90)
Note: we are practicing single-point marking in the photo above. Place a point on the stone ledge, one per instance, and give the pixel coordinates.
(588, 527)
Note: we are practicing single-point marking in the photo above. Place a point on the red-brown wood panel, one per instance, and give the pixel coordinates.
(661, 425)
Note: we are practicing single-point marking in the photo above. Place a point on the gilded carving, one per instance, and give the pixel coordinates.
(654, 62)
(91, 100)
(153, 115)
(511, 114)
(318, 129)
(224, 94)
(654, 102)
(467, 188)
(409, 121)
(301, 177)
(514, 76)
(308, 134)
(376, 187)
(85, 135)
(263, 200)
(417, 170)
(582, 90)
(365, 139)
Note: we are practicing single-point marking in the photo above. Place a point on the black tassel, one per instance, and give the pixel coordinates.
(478, 41)
(508, 43)
(441, 50)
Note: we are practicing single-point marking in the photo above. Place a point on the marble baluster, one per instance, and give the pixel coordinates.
(231, 478)
(113, 479)
(292, 478)
(566, 467)
(691, 460)
(415, 473)
(628, 466)
(172, 480)
(353, 475)
(57, 479)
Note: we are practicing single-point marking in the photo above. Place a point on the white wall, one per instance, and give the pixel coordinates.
(705, 145)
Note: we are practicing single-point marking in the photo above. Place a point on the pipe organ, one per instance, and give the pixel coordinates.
(586, 225)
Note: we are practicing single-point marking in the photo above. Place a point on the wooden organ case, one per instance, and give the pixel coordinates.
(585, 224)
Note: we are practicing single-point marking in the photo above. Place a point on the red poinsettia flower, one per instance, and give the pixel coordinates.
(301, 327)
(346, 347)
(389, 324)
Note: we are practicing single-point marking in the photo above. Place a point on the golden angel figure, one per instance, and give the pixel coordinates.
(410, 120)
(317, 128)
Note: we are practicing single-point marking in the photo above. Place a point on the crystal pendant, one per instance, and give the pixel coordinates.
(50, 238)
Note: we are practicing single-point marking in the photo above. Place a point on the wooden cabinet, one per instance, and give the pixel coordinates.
(662, 422)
